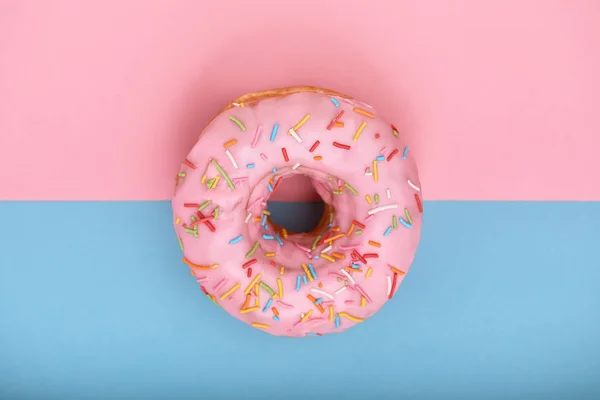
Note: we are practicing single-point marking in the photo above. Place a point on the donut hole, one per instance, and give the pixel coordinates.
(296, 206)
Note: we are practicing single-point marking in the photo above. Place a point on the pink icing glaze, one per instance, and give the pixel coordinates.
(219, 259)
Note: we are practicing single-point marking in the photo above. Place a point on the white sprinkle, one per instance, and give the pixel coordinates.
(295, 167)
(231, 158)
(327, 249)
(388, 193)
(389, 285)
(412, 185)
(352, 281)
(340, 290)
(295, 135)
(324, 293)
(248, 217)
(236, 104)
(368, 174)
(382, 208)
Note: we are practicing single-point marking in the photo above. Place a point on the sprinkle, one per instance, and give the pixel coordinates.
(314, 245)
(405, 153)
(216, 212)
(248, 217)
(252, 283)
(280, 288)
(328, 258)
(275, 312)
(363, 302)
(222, 172)
(338, 256)
(191, 205)
(233, 162)
(350, 188)
(406, 224)
(269, 187)
(337, 321)
(306, 316)
(213, 183)
(392, 286)
(267, 288)
(230, 143)
(350, 317)
(285, 154)
(325, 250)
(306, 271)
(208, 224)
(249, 309)
(261, 326)
(359, 131)
(230, 291)
(374, 244)
(395, 131)
(298, 283)
(319, 301)
(340, 290)
(380, 158)
(252, 250)
(314, 146)
(304, 279)
(336, 119)
(388, 193)
(350, 230)
(281, 271)
(363, 112)
(412, 185)
(249, 263)
(249, 274)
(408, 217)
(177, 221)
(295, 135)
(376, 197)
(299, 124)
(375, 174)
(236, 239)
(181, 174)
(368, 274)
(274, 132)
(295, 167)
(238, 123)
(337, 104)
(189, 164)
(343, 271)
(263, 221)
(203, 179)
(269, 254)
(312, 271)
(317, 158)
(392, 154)
(264, 156)
(394, 222)
(256, 136)
(388, 231)
(267, 305)
(268, 237)
(203, 205)
(355, 266)
(266, 212)
(368, 198)
(341, 146)
(284, 233)
(419, 204)
(278, 239)
(322, 292)
(382, 208)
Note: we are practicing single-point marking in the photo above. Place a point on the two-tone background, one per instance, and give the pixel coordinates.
(101, 100)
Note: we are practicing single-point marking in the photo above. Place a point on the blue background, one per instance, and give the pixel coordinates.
(502, 300)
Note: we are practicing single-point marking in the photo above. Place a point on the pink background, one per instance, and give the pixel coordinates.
(103, 99)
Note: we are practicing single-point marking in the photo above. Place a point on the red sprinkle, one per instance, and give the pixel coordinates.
(361, 258)
(341, 146)
(419, 202)
(273, 263)
(394, 281)
(189, 164)
(377, 136)
(249, 272)
(210, 226)
(392, 154)
(336, 119)
(361, 226)
(276, 185)
(249, 263)
(203, 289)
(285, 156)
(202, 220)
(193, 205)
(370, 255)
(314, 146)
(394, 128)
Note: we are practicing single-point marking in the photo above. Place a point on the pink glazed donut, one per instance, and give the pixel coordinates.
(299, 284)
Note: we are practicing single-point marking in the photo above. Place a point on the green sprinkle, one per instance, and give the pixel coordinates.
(358, 232)
(350, 188)
(337, 192)
(266, 212)
(180, 243)
(182, 174)
(330, 178)
(267, 288)
(210, 182)
(408, 216)
(216, 213)
(188, 230)
(395, 132)
(222, 172)
(195, 234)
(193, 218)
(331, 218)
(394, 222)
(204, 205)
(252, 250)
(238, 123)
(314, 246)
(339, 279)
(376, 198)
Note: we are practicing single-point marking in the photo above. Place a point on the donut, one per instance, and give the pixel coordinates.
(299, 283)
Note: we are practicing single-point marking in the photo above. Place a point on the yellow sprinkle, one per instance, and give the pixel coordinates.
(270, 254)
(257, 290)
(368, 274)
(203, 180)
(249, 309)
(280, 287)
(351, 317)
(281, 271)
(284, 233)
(328, 258)
(306, 316)
(214, 184)
(331, 314)
(262, 326)
(230, 143)
(375, 174)
(177, 221)
(359, 131)
(307, 272)
(214, 266)
(299, 124)
(227, 293)
(363, 301)
(363, 112)
(317, 158)
(242, 105)
(266, 212)
(368, 199)
(251, 285)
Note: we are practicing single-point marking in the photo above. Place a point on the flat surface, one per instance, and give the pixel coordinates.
(503, 300)
(102, 99)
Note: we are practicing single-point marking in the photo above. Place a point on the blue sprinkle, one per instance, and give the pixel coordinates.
(380, 158)
(319, 300)
(337, 321)
(274, 132)
(278, 239)
(250, 165)
(337, 103)
(236, 240)
(312, 271)
(267, 305)
(388, 231)
(275, 317)
(269, 187)
(268, 237)
(274, 170)
(305, 279)
(405, 152)
(406, 224)
(316, 257)
(264, 220)
(266, 227)
(298, 282)
(355, 266)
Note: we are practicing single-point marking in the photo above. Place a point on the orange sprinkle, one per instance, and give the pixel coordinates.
(191, 264)
(249, 309)
(339, 124)
(257, 219)
(335, 229)
(275, 311)
(284, 233)
(270, 254)
(339, 256)
(350, 230)
(320, 285)
(259, 325)
(230, 143)
(363, 112)
(396, 270)
(246, 302)
(317, 158)
(331, 239)
(373, 243)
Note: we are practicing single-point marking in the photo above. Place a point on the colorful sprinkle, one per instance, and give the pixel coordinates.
(412, 185)
(395, 131)
(359, 131)
(337, 321)
(203, 205)
(293, 133)
(419, 204)
(233, 162)
(336, 119)
(249, 263)
(222, 172)
(259, 325)
(394, 222)
(296, 166)
(285, 154)
(408, 217)
(252, 250)
(267, 288)
(268, 305)
(351, 189)
(252, 283)
(314, 146)
(298, 283)
(405, 153)
(312, 271)
(393, 286)
(375, 172)
(382, 208)
(230, 143)
(334, 101)
(230, 291)
(406, 224)
(368, 274)
(392, 154)
(328, 258)
(388, 231)
(236, 239)
(306, 316)
(350, 317)
(299, 124)
(368, 198)
(274, 132)
(363, 112)
(189, 164)
(341, 146)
